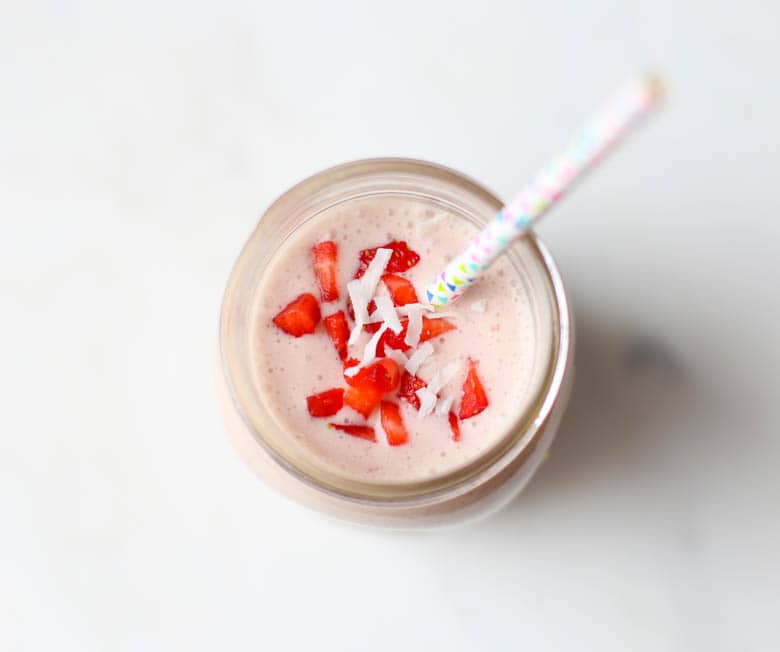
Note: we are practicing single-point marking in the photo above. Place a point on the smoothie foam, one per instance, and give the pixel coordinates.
(495, 326)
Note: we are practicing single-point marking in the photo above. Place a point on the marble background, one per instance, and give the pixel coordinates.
(138, 144)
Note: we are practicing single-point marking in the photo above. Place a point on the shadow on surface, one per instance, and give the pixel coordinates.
(635, 406)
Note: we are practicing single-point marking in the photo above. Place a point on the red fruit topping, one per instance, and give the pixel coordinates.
(350, 362)
(325, 256)
(300, 316)
(364, 432)
(393, 425)
(474, 399)
(389, 338)
(337, 329)
(383, 376)
(434, 327)
(371, 383)
(401, 259)
(401, 289)
(327, 403)
(363, 399)
(454, 426)
(409, 385)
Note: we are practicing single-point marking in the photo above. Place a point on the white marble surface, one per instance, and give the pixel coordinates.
(138, 143)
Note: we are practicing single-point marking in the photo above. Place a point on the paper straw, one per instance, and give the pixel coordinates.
(625, 109)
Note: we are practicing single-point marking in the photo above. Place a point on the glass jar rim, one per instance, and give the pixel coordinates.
(527, 431)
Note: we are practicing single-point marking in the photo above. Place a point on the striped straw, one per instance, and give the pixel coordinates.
(625, 109)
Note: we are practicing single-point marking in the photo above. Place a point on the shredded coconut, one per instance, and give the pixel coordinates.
(444, 375)
(361, 291)
(386, 310)
(414, 328)
(398, 356)
(427, 401)
(369, 352)
(419, 357)
(413, 307)
(444, 405)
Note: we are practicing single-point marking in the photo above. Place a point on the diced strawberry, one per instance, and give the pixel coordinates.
(393, 340)
(327, 403)
(409, 386)
(300, 316)
(337, 329)
(393, 425)
(401, 259)
(325, 256)
(370, 384)
(474, 398)
(383, 376)
(434, 327)
(401, 289)
(454, 426)
(350, 362)
(364, 432)
(364, 399)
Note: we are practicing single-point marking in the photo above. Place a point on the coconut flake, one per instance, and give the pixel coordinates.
(361, 291)
(414, 327)
(427, 401)
(419, 357)
(359, 301)
(369, 352)
(444, 375)
(398, 356)
(444, 405)
(374, 271)
(413, 307)
(479, 306)
(386, 311)
(353, 370)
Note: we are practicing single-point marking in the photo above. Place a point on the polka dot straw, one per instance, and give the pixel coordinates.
(630, 104)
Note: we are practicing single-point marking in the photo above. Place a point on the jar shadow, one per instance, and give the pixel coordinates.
(635, 404)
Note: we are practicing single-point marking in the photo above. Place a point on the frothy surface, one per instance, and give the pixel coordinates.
(502, 339)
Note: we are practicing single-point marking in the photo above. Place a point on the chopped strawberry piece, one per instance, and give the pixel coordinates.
(454, 426)
(393, 425)
(383, 376)
(300, 316)
(364, 432)
(350, 362)
(409, 386)
(337, 329)
(434, 327)
(401, 259)
(325, 256)
(401, 289)
(327, 403)
(371, 383)
(474, 398)
(430, 328)
(393, 340)
(364, 399)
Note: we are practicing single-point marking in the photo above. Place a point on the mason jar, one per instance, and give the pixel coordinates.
(461, 494)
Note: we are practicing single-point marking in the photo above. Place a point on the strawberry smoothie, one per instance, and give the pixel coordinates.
(346, 392)
(410, 395)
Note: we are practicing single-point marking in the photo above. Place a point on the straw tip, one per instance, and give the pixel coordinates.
(655, 85)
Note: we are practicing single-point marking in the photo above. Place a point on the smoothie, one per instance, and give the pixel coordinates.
(454, 384)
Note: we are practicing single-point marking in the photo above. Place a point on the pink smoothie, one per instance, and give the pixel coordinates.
(495, 326)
